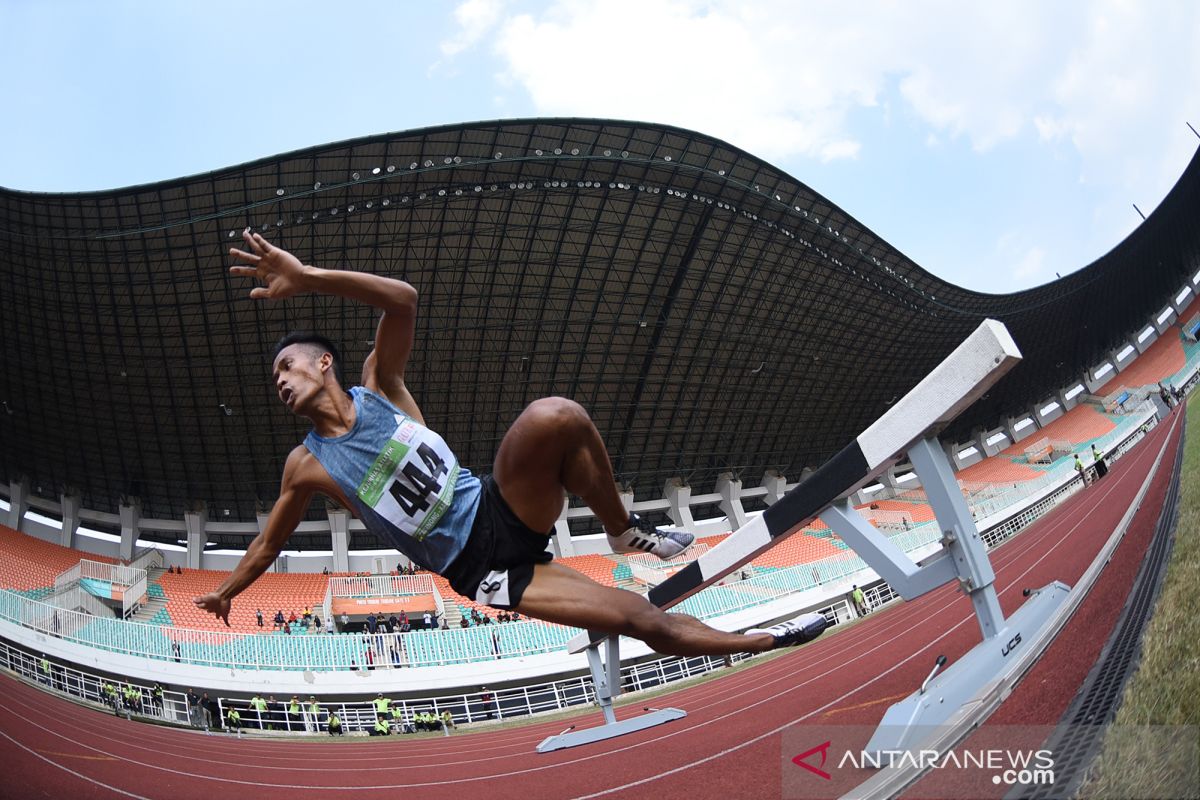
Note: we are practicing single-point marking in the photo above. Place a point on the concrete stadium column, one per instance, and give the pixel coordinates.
(679, 495)
(70, 519)
(626, 498)
(339, 530)
(562, 532)
(776, 486)
(18, 502)
(195, 522)
(130, 514)
(730, 489)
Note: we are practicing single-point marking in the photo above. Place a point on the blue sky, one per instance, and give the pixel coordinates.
(994, 144)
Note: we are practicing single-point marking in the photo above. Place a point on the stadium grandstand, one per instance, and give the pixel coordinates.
(728, 328)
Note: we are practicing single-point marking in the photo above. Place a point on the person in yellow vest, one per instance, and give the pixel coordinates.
(234, 720)
(312, 720)
(110, 697)
(45, 665)
(447, 720)
(260, 711)
(381, 705)
(381, 727)
(335, 724)
(293, 714)
(1079, 469)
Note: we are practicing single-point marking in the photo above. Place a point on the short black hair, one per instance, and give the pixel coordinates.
(319, 341)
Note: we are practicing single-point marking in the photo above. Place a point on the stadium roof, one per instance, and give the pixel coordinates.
(712, 312)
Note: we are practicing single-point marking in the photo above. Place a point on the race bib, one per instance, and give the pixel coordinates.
(411, 483)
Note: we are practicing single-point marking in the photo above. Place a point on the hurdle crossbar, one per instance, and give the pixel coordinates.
(957, 382)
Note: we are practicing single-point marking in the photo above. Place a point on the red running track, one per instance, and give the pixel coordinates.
(729, 746)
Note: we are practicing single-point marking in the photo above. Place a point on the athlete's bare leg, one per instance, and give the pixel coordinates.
(553, 448)
(560, 594)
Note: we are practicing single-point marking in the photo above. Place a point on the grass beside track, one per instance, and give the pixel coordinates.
(1165, 690)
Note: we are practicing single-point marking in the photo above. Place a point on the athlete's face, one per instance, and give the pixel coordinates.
(299, 373)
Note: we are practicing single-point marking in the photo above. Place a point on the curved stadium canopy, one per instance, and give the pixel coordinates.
(712, 312)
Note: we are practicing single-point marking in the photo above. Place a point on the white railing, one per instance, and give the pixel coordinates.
(113, 573)
(131, 599)
(77, 598)
(67, 577)
(381, 586)
(149, 559)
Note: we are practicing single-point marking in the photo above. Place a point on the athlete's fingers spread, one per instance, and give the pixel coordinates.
(244, 256)
(249, 272)
(248, 237)
(263, 243)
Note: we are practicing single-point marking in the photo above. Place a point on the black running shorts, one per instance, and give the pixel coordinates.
(497, 563)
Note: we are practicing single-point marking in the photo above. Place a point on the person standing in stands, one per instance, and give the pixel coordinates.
(1098, 463)
(370, 450)
(258, 615)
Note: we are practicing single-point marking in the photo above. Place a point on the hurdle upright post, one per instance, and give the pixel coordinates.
(606, 682)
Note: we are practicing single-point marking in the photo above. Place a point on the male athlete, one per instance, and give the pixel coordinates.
(369, 449)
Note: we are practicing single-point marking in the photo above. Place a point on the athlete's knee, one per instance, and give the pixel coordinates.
(558, 412)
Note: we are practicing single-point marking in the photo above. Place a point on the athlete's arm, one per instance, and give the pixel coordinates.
(294, 495)
(285, 276)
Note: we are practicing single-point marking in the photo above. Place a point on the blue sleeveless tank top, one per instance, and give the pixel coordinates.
(405, 483)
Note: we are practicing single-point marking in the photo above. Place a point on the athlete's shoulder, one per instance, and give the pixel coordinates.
(303, 469)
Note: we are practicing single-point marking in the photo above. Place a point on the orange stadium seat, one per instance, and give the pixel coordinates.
(31, 563)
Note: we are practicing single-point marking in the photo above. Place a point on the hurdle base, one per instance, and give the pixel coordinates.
(915, 720)
(601, 732)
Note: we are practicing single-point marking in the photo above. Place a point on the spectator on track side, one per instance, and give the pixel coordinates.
(860, 600)
(1098, 463)
(194, 714)
(259, 706)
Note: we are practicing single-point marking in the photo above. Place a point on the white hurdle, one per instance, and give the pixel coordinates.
(909, 426)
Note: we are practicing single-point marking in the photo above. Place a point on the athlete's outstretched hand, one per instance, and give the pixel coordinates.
(281, 271)
(213, 603)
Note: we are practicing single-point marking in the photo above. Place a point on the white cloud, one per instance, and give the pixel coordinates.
(475, 18)
(780, 78)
